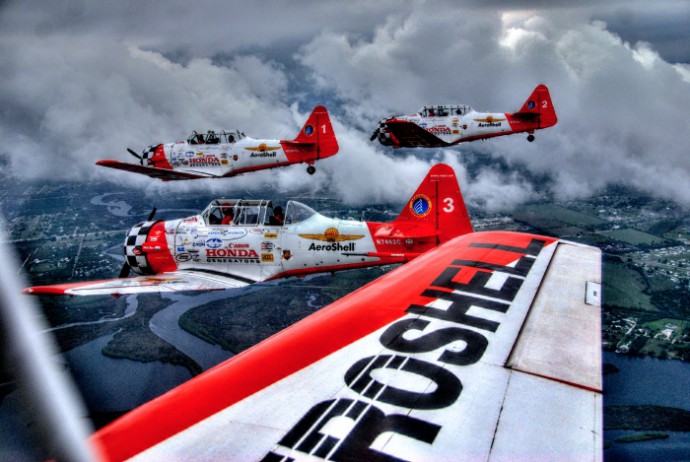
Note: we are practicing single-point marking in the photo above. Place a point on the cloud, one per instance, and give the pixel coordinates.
(80, 83)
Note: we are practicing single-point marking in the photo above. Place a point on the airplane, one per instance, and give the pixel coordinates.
(234, 243)
(487, 347)
(447, 125)
(226, 154)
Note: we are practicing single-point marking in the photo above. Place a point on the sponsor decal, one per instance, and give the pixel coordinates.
(264, 154)
(270, 235)
(287, 254)
(262, 147)
(387, 408)
(267, 258)
(189, 154)
(181, 249)
(439, 130)
(531, 105)
(420, 205)
(267, 246)
(332, 235)
(242, 255)
(214, 243)
(187, 256)
(235, 157)
(205, 161)
(334, 247)
(489, 121)
(309, 130)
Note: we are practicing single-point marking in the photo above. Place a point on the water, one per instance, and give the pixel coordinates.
(116, 385)
(650, 381)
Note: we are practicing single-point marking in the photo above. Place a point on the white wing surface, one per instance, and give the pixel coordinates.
(485, 348)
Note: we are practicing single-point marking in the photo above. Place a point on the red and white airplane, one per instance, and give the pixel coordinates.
(226, 154)
(447, 125)
(486, 347)
(233, 243)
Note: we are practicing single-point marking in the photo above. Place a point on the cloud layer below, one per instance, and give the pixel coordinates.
(80, 84)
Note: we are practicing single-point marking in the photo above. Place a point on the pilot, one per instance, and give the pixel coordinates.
(228, 216)
(278, 217)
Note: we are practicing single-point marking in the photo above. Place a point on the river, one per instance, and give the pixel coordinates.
(642, 381)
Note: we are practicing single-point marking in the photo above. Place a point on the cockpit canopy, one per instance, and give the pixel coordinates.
(444, 110)
(249, 213)
(211, 137)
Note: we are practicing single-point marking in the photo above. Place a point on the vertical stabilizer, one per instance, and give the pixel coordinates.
(438, 201)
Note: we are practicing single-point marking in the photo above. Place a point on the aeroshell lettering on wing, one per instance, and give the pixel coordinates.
(310, 434)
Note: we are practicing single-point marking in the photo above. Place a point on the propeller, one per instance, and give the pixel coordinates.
(124, 271)
(134, 154)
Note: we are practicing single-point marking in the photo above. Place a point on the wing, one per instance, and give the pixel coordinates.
(409, 134)
(160, 173)
(486, 347)
(174, 281)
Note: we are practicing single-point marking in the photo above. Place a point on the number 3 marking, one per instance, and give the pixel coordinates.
(450, 205)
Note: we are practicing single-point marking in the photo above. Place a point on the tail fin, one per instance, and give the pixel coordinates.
(539, 104)
(319, 131)
(438, 202)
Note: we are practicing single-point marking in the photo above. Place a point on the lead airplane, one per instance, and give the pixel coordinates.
(447, 125)
(226, 154)
(486, 347)
(233, 243)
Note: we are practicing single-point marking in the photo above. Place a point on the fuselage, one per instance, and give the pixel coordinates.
(253, 248)
(456, 124)
(233, 155)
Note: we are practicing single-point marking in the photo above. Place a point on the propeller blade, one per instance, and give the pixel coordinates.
(124, 272)
(134, 154)
(152, 214)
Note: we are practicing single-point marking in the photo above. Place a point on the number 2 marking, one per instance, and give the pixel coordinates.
(544, 104)
(450, 205)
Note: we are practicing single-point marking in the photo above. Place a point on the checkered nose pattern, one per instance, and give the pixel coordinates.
(136, 259)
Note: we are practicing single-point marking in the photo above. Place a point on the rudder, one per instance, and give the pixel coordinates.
(319, 131)
(438, 201)
(539, 103)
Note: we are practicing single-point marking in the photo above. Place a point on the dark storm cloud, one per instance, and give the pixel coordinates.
(80, 83)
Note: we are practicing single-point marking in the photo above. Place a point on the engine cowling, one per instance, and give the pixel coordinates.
(146, 249)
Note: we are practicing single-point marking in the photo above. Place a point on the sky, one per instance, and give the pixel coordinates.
(82, 81)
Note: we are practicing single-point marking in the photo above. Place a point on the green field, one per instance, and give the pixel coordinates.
(634, 237)
(554, 217)
(623, 287)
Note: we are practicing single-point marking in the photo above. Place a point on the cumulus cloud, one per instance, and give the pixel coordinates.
(80, 83)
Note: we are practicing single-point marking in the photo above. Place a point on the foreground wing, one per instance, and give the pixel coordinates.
(160, 173)
(486, 348)
(408, 134)
(166, 282)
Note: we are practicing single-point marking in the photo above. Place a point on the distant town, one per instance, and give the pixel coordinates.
(67, 232)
